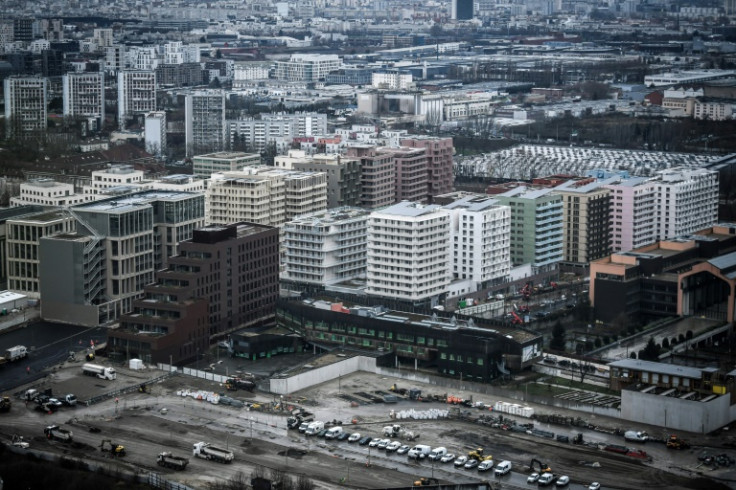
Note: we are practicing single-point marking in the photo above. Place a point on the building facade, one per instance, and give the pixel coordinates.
(204, 123)
(586, 209)
(223, 279)
(377, 176)
(688, 201)
(223, 161)
(634, 212)
(155, 133)
(84, 96)
(23, 238)
(47, 192)
(343, 177)
(307, 67)
(408, 257)
(536, 226)
(136, 94)
(327, 247)
(480, 239)
(439, 152)
(26, 102)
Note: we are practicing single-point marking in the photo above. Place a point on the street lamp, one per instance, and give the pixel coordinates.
(251, 429)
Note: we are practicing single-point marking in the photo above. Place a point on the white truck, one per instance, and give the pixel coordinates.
(101, 372)
(205, 450)
(314, 428)
(15, 353)
(168, 460)
(636, 436)
(420, 451)
(333, 432)
(56, 432)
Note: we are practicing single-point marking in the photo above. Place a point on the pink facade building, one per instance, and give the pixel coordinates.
(439, 162)
(377, 176)
(633, 213)
(411, 174)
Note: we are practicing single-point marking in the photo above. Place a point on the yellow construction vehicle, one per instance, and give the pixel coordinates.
(675, 442)
(479, 456)
(114, 449)
(543, 467)
(423, 482)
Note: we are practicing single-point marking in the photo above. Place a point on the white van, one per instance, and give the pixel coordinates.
(314, 428)
(333, 432)
(437, 453)
(502, 468)
(420, 451)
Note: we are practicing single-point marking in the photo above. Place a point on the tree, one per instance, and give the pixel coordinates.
(666, 343)
(650, 351)
(632, 355)
(558, 337)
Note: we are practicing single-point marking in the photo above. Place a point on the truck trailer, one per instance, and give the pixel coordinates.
(205, 450)
(15, 353)
(101, 372)
(56, 432)
(168, 460)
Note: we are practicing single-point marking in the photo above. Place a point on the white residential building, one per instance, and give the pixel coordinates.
(326, 247)
(26, 101)
(114, 58)
(249, 71)
(136, 93)
(223, 161)
(115, 176)
(392, 80)
(634, 213)
(204, 124)
(142, 58)
(155, 133)
(84, 96)
(688, 201)
(307, 67)
(480, 230)
(264, 195)
(256, 134)
(46, 192)
(408, 254)
(103, 37)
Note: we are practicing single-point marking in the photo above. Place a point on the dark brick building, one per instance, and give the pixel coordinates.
(224, 279)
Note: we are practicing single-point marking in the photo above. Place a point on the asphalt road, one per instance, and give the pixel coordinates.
(49, 345)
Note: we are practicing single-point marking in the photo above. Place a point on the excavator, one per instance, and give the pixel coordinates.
(543, 467)
(112, 448)
(478, 455)
(424, 481)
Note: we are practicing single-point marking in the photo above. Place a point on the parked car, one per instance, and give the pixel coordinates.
(562, 481)
(303, 427)
(485, 465)
(447, 458)
(471, 464)
(375, 442)
(384, 443)
(365, 441)
(55, 402)
(460, 461)
(343, 436)
(322, 433)
(403, 449)
(594, 486)
(354, 437)
(533, 478)
(393, 446)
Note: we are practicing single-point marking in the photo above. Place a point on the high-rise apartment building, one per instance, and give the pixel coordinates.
(536, 226)
(377, 176)
(25, 104)
(155, 133)
(634, 213)
(408, 254)
(264, 195)
(410, 165)
(84, 96)
(326, 247)
(343, 177)
(480, 239)
(205, 121)
(439, 152)
(687, 201)
(136, 93)
(586, 207)
(462, 9)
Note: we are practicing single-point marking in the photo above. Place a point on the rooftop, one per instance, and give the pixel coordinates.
(410, 209)
(44, 217)
(658, 367)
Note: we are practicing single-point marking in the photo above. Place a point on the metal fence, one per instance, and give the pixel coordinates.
(158, 481)
(127, 389)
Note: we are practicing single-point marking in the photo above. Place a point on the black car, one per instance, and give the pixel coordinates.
(343, 436)
(365, 441)
(322, 433)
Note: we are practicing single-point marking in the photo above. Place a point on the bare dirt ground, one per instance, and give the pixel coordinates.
(261, 439)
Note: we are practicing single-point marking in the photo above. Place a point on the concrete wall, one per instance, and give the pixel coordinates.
(286, 386)
(83, 315)
(675, 413)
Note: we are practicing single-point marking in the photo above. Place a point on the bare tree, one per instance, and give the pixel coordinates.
(304, 483)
